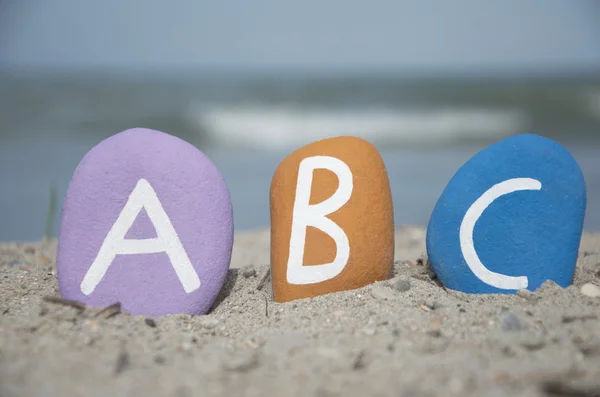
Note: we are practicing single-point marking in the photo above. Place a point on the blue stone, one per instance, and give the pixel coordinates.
(511, 218)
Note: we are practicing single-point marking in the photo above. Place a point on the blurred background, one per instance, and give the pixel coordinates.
(430, 83)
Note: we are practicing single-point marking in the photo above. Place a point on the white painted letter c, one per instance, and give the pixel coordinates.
(467, 226)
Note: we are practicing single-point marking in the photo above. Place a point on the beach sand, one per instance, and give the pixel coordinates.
(407, 336)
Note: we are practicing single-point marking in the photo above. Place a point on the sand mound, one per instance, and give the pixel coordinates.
(407, 336)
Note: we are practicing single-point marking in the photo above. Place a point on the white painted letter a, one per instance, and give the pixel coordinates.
(142, 197)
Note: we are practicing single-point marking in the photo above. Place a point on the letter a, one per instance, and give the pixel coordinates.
(143, 196)
(305, 215)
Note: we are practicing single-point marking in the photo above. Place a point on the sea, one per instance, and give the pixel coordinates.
(424, 127)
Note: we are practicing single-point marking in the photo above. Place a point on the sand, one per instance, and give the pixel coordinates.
(407, 336)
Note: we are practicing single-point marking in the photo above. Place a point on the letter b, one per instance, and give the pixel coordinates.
(305, 215)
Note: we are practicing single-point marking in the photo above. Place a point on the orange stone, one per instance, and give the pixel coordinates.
(332, 220)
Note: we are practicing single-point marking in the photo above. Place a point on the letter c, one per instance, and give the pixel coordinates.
(467, 226)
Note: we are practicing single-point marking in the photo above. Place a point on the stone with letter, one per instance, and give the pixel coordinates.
(332, 221)
(147, 222)
(511, 218)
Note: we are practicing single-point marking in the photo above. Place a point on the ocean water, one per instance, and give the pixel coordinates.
(425, 130)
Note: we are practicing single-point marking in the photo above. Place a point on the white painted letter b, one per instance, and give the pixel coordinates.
(305, 215)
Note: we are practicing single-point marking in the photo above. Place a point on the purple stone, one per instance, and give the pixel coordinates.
(147, 222)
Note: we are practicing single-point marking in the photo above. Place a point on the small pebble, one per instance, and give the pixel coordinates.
(368, 331)
(359, 361)
(555, 338)
(382, 293)
(243, 363)
(577, 339)
(525, 294)
(402, 285)
(532, 343)
(436, 333)
(339, 313)
(590, 290)
(150, 322)
(590, 349)
(209, 322)
(122, 363)
(510, 322)
(508, 351)
(249, 272)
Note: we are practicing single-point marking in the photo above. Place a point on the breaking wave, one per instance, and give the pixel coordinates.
(279, 127)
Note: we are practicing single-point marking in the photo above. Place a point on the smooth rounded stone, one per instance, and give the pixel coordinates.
(332, 221)
(249, 272)
(532, 342)
(511, 218)
(382, 293)
(525, 294)
(147, 222)
(510, 322)
(590, 290)
(402, 285)
(209, 322)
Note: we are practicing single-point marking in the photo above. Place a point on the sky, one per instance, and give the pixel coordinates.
(310, 35)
